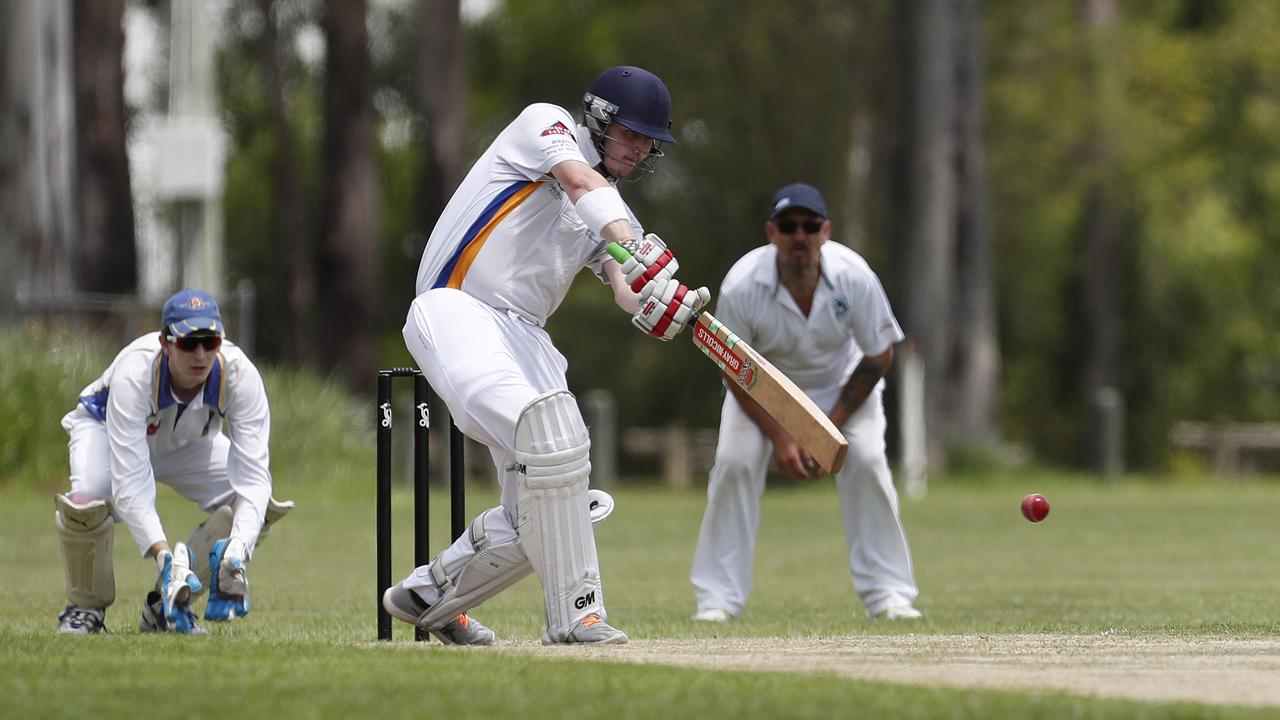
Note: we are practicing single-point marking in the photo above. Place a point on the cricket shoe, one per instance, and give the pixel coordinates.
(712, 614)
(590, 630)
(153, 619)
(82, 621)
(405, 604)
(899, 612)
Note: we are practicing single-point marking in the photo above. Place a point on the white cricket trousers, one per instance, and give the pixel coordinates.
(879, 559)
(197, 470)
(487, 365)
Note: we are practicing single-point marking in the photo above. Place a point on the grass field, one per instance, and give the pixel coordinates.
(1136, 560)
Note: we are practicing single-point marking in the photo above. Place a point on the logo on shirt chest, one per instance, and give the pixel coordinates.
(153, 428)
(840, 306)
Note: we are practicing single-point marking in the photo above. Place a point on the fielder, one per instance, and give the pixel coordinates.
(817, 311)
(156, 415)
(536, 208)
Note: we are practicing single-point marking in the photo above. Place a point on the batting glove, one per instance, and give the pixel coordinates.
(650, 260)
(666, 307)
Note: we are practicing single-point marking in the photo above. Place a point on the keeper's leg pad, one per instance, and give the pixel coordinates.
(553, 519)
(87, 532)
(214, 528)
(494, 568)
(275, 510)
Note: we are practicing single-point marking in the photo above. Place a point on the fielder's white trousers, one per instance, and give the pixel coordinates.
(487, 365)
(197, 470)
(879, 558)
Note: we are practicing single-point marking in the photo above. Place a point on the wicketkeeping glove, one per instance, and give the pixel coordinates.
(650, 260)
(667, 306)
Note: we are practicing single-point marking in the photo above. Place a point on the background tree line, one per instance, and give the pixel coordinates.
(1059, 197)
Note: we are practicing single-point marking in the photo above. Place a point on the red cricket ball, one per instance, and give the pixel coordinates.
(1035, 507)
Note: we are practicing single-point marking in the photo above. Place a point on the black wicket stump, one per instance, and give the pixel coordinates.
(421, 472)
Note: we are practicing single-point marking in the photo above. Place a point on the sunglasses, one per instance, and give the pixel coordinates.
(786, 227)
(210, 343)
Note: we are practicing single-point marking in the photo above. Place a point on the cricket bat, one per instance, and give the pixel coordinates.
(767, 385)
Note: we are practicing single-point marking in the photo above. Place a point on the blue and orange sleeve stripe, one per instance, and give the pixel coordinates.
(473, 241)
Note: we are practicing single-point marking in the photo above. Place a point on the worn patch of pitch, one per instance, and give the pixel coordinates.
(1211, 670)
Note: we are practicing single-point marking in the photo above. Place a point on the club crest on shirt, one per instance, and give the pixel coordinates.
(557, 128)
(840, 306)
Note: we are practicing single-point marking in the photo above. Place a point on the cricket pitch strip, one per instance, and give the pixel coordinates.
(1207, 670)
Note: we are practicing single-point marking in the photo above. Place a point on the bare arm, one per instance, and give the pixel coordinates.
(863, 380)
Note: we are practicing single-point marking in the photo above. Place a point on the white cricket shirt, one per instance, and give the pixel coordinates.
(850, 316)
(509, 235)
(134, 399)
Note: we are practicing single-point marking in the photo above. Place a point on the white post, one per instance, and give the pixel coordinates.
(911, 418)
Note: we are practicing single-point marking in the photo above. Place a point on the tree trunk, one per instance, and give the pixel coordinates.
(1098, 243)
(924, 198)
(106, 258)
(37, 130)
(294, 252)
(348, 257)
(442, 80)
(976, 372)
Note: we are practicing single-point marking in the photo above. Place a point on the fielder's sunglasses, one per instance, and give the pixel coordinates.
(786, 227)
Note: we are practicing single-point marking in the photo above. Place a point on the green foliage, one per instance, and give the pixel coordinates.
(42, 371)
(1194, 181)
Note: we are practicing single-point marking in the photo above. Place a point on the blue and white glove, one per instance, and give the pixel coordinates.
(177, 584)
(229, 586)
(650, 261)
(667, 306)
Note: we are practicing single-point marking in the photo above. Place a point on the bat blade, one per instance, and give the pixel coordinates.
(772, 390)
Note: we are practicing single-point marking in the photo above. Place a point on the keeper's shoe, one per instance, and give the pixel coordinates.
(899, 612)
(82, 621)
(153, 619)
(406, 605)
(590, 630)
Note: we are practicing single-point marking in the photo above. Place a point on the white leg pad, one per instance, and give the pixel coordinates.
(494, 568)
(553, 519)
(275, 510)
(87, 532)
(214, 528)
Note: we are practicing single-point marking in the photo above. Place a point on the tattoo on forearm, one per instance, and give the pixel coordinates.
(861, 383)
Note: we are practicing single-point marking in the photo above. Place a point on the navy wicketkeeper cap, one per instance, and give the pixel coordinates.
(191, 311)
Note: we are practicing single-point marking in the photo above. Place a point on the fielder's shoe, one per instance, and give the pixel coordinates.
(405, 604)
(153, 619)
(900, 612)
(591, 630)
(82, 621)
(713, 614)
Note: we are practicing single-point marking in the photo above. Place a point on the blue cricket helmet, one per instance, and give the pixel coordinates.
(632, 97)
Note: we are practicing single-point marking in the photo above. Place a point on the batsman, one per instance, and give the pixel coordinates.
(156, 415)
(538, 206)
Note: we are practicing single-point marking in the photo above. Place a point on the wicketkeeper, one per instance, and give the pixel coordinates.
(539, 206)
(156, 415)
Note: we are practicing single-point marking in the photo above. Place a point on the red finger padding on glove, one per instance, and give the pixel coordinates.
(652, 271)
(661, 327)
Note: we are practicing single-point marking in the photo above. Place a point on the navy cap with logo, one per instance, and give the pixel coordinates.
(190, 311)
(798, 195)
